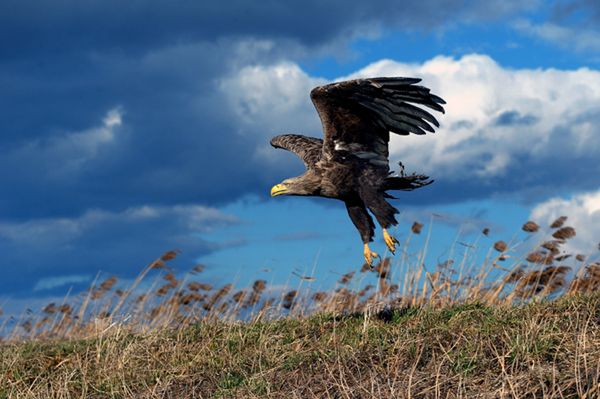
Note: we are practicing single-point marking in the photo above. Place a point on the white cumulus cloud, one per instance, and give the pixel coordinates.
(271, 100)
(521, 125)
(498, 117)
(583, 212)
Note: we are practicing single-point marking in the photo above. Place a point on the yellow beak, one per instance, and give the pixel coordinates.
(278, 189)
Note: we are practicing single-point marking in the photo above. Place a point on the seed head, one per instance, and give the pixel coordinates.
(416, 228)
(530, 227)
(500, 246)
(558, 222)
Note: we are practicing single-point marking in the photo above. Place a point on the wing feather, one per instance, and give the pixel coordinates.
(309, 149)
(358, 115)
(392, 121)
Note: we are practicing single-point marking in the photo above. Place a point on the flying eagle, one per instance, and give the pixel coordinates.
(351, 162)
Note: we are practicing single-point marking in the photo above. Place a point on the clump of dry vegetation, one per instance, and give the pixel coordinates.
(520, 323)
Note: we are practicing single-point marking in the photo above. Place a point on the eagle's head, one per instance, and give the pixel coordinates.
(301, 185)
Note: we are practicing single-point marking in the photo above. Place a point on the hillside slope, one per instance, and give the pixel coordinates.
(546, 349)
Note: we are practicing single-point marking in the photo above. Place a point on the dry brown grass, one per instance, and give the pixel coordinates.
(463, 328)
(549, 349)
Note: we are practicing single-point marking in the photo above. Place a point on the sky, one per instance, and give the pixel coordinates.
(129, 129)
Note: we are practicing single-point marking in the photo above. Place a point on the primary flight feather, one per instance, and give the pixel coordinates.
(351, 162)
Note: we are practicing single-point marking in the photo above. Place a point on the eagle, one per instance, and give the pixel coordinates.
(351, 162)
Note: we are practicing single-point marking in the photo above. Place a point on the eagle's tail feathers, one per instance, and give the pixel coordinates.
(406, 183)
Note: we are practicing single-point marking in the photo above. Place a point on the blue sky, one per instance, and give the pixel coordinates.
(131, 130)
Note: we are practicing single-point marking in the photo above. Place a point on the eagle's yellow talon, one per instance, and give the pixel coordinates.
(390, 241)
(369, 255)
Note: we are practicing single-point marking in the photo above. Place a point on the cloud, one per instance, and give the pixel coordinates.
(107, 107)
(479, 92)
(511, 118)
(164, 66)
(49, 283)
(258, 94)
(174, 134)
(65, 155)
(583, 212)
(505, 130)
(569, 24)
(271, 100)
(572, 38)
(49, 252)
(52, 27)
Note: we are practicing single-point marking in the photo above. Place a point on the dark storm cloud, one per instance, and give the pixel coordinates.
(71, 25)
(177, 144)
(54, 250)
(66, 66)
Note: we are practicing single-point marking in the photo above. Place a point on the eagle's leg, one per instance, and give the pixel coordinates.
(369, 255)
(384, 213)
(390, 241)
(365, 226)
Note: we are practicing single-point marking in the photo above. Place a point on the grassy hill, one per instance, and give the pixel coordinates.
(524, 322)
(545, 349)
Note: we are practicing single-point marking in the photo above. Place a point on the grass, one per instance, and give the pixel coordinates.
(462, 329)
(541, 349)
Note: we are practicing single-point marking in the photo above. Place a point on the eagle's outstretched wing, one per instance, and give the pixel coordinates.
(357, 115)
(309, 149)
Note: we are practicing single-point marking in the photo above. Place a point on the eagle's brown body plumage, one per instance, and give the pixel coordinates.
(351, 163)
